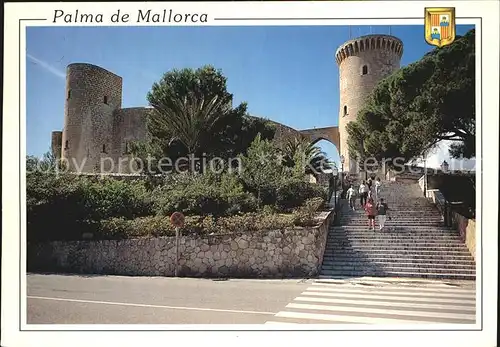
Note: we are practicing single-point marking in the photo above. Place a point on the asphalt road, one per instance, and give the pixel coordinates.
(73, 299)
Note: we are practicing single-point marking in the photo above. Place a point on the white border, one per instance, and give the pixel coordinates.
(488, 10)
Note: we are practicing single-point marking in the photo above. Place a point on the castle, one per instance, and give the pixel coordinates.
(97, 130)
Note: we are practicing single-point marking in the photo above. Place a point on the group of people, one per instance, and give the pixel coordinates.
(367, 202)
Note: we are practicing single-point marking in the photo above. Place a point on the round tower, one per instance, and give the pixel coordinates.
(92, 95)
(362, 62)
(56, 144)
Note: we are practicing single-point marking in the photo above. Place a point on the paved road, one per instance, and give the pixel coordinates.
(155, 300)
(66, 299)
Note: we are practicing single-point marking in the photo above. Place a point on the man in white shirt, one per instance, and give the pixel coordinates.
(363, 192)
(351, 196)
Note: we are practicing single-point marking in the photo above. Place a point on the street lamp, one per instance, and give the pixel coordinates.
(425, 174)
(335, 173)
(342, 160)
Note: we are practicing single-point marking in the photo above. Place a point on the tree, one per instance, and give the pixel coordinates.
(420, 105)
(192, 114)
(261, 167)
(304, 157)
(46, 164)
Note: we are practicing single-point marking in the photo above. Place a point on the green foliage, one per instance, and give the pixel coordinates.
(64, 206)
(306, 215)
(203, 194)
(155, 226)
(294, 192)
(192, 114)
(304, 157)
(419, 105)
(262, 170)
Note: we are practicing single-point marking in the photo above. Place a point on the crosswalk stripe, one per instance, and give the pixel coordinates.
(369, 291)
(347, 319)
(388, 298)
(388, 302)
(409, 288)
(456, 307)
(427, 282)
(416, 314)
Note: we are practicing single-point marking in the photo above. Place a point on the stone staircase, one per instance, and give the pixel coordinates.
(414, 244)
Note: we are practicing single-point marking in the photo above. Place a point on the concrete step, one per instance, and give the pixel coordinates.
(367, 252)
(346, 234)
(387, 234)
(390, 228)
(354, 265)
(394, 273)
(394, 247)
(411, 241)
(328, 258)
(394, 221)
(377, 241)
(401, 219)
(358, 212)
(400, 216)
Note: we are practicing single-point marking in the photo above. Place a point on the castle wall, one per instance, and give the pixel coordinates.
(92, 95)
(363, 62)
(284, 132)
(56, 144)
(129, 125)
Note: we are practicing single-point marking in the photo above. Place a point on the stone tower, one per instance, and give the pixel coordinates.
(362, 62)
(92, 96)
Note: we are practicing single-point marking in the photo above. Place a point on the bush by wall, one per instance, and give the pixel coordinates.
(67, 206)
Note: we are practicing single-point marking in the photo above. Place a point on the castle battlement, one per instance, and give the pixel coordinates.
(367, 43)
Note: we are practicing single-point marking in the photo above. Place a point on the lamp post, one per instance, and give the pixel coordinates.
(335, 173)
(425, 175)
(342, 160)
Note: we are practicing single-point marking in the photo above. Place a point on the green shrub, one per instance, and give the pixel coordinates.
(207, 194)
(293, 193)
(114, 198)
(305, 215)
(56, 207)
(155, 226)
(65, 206)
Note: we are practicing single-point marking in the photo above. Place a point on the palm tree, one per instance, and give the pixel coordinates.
(304, 155)
(189, 119)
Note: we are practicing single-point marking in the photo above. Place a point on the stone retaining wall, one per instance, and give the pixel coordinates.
(284, 253)
(466, 227)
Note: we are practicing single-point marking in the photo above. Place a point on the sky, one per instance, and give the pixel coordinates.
(285, 73)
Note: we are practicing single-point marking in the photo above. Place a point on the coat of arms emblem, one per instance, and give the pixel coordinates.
(439, 26)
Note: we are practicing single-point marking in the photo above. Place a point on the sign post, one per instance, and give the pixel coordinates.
(177, 220)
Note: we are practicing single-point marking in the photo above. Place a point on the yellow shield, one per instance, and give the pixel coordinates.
(439, 26)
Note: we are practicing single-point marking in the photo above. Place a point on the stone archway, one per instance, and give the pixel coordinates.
(330, 134)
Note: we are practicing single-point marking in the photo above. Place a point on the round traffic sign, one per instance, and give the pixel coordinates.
(177, 219)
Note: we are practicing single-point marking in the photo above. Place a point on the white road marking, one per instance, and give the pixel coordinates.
(404, 302)
(387, 303)
(398, 313)
(440, 289)
(381, 291)
(348, 319)
(386, 297)
(150, 306)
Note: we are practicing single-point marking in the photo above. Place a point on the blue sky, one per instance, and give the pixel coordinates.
(285, 73)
